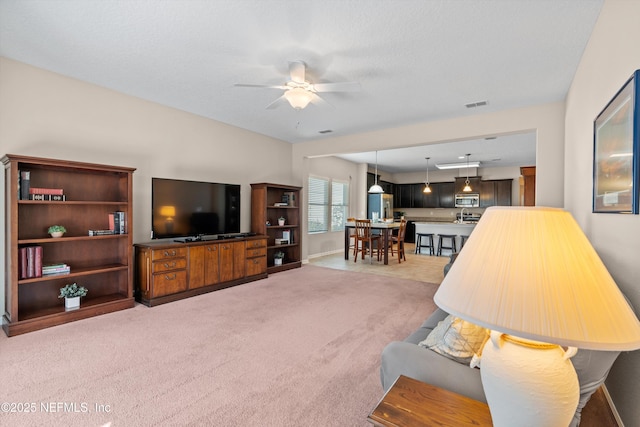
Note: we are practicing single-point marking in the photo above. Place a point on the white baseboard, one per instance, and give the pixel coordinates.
(337, 251)
(616, 415)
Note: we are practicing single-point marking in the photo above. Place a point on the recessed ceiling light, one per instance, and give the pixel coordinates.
(476, 104)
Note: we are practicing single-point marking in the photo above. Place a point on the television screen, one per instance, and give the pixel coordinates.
(191, 208)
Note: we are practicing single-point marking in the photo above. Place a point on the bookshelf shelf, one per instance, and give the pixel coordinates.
(102, 264)
(75, 272)
(58, 240)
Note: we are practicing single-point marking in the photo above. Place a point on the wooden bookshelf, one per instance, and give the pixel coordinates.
(266, 207)
(102, 264)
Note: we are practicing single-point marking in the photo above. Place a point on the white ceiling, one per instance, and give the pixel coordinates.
(416, 60)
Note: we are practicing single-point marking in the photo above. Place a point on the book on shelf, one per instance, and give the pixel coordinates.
(30, 262)
(101, 232)
(24, 185)
(40, 190)
(52, 269)
(48, 197)
(119, 222)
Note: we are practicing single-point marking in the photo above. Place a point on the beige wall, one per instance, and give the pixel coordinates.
(546, 120)
(47, 115)
(608, 61)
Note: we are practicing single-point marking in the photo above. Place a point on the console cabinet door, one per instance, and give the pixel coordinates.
(212, 264)
(196, 267)
(232, 261)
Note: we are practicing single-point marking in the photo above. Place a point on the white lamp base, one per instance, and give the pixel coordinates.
(528, 383)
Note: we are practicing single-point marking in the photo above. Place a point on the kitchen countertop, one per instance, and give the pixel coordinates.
(445, 223)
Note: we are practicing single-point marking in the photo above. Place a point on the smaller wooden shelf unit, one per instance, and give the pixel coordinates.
(267, 207)
(102, 264)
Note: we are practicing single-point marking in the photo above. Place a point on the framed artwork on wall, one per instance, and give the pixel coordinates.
(616, 151)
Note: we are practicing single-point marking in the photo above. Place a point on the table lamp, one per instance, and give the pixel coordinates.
(530, 275)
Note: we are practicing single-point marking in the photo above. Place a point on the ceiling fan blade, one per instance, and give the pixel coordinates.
(316, 100)
(277, 103)
(267, 86)
(297, 71)
(337, 87)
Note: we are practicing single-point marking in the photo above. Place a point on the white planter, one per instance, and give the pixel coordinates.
(280, 221)
(72, 303)
(57, 234)
(277, 261)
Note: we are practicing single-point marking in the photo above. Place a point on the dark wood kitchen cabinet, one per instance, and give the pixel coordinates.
(495, 193)
(446, 194)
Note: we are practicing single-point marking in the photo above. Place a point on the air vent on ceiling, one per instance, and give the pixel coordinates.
(477, 104)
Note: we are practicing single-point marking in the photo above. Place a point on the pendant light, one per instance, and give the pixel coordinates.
(467, 187)
(375, 188)
(427, 187)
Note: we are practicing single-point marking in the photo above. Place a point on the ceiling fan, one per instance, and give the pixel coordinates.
(300, 92)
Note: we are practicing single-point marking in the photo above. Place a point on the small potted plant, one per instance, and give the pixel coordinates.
(56, 230)
(278, 257)
(71, 294)
(281, 220)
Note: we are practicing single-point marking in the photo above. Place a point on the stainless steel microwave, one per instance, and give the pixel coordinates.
(467, 200)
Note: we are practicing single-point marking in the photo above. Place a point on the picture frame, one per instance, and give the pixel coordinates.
(616, 151)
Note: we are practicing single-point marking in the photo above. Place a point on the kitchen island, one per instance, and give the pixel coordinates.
(458, 229)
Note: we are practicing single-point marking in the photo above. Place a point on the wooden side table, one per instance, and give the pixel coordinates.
(410, 402)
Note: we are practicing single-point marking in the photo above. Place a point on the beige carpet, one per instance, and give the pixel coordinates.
(300, 348)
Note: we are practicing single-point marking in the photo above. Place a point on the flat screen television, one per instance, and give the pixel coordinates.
(192, 208)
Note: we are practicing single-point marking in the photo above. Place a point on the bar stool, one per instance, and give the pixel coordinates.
(442, 244)
(428, 244)
(463, 239)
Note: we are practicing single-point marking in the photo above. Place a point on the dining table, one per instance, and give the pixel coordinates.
(385, 228)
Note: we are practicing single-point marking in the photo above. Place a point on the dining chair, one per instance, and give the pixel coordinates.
(365, 239)
(399, 241)
(352, 235)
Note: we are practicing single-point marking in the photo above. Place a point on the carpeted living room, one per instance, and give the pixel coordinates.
(301, 347)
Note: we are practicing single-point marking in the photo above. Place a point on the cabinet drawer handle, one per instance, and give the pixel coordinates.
(170, 253)
(167, 265)
(170, 277)
(255, 261)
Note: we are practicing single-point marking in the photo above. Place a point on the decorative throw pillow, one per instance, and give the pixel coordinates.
(456, 339)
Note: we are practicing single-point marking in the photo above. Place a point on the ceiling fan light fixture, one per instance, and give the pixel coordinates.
(298, 97)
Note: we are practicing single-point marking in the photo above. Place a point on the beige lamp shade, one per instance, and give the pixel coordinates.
(531, 272)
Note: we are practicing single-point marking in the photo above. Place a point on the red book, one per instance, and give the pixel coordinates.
(37, 265)
(112, 226)
(31, 261)
(22, 261)
(36, 190)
